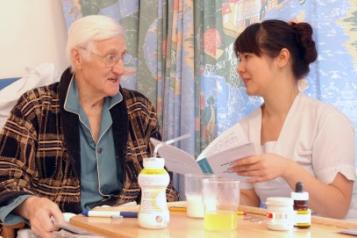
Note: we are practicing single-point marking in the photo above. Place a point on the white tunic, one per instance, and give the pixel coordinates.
(314, 134)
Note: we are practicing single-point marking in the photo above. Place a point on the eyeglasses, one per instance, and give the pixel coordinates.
(111, 59)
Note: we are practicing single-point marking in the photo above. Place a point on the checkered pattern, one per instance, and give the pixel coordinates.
(39, 146)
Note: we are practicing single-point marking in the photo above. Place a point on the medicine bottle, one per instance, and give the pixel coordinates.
(301, 208)
(280, 213)
(153, 181)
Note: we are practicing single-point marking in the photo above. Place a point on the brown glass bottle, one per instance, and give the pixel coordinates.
(301, 207)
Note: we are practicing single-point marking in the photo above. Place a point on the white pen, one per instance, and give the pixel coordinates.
(113, 214)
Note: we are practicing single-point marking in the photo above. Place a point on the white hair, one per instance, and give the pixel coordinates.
(84, 31)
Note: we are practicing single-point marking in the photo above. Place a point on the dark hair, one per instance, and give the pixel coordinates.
(270, 36)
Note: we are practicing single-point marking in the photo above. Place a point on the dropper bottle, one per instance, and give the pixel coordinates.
(301, 208)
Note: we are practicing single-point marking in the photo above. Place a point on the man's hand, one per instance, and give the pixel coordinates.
(43, 215)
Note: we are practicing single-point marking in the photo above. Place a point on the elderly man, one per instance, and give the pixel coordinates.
(78, 143)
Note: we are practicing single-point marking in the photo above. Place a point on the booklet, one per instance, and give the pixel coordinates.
(215, 159)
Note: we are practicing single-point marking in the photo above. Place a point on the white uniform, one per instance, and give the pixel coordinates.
(314, 134)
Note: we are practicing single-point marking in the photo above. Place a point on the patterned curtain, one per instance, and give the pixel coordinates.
(332, 78)
(182, 56)
(160, 42)
(221, 95)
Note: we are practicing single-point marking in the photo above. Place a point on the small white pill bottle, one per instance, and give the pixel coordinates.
(280, 213)
(153, 181)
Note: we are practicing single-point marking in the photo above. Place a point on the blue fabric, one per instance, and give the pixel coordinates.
(7, 216)
(6, 81)
(100, 174)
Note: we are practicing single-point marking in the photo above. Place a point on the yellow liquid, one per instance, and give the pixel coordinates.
(220, 221)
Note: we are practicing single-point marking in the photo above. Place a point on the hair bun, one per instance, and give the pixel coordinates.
(304, 38)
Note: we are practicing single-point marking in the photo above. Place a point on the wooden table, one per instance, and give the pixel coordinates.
(251, 225)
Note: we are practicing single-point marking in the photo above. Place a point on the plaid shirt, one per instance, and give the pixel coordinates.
(40, 152)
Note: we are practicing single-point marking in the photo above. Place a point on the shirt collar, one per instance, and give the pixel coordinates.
(71, 103)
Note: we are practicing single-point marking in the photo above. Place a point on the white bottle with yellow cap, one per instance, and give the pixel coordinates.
(153, 180)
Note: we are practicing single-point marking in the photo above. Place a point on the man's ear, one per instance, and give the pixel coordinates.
(76, 58)
(283, 58)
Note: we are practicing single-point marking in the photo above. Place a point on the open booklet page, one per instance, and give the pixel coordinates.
(177, 160)
(216, 158)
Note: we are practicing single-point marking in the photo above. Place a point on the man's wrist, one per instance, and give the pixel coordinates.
(24, 209)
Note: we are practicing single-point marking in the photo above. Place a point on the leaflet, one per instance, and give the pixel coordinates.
(216, 158)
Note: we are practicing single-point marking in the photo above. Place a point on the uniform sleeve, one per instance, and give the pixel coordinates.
(334, 148)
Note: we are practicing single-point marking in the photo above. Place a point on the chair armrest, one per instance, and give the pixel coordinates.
(9, 231)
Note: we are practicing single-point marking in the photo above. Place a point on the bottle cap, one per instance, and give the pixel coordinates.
(153, 163)
(299, 187)
(304, 196)
(299, 193)
(279, 201)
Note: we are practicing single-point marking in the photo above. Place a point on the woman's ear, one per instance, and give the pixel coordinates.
(283, 58)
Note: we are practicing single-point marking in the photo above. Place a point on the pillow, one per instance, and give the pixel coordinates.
(6, 81)
(12, 89)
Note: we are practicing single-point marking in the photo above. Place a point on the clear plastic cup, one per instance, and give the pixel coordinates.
(221, 201)
(193, 193)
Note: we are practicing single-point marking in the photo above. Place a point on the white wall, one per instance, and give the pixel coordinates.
(31, 32)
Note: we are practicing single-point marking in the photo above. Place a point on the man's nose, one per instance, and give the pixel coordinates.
(119, 67)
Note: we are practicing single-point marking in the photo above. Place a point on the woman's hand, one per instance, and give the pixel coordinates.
(260, 168)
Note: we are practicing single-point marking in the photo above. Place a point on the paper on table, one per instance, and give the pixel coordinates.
(74, 231)
(352, 232)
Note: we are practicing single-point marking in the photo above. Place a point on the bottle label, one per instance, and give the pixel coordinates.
(153, 200)
(303, 218)
(280, 219)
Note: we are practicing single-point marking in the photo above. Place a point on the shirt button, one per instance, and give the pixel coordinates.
(99, 150)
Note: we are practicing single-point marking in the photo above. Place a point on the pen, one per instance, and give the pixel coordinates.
(241, 213)
(113, 214)
(177, 209)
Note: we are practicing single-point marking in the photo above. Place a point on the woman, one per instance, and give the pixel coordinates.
(297, 138)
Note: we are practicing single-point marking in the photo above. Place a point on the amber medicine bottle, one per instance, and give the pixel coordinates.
(301, 208)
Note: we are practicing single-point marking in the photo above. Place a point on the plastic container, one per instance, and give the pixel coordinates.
(193, 193)
(280, 213)
(301, 207)
(153, 181)
(221, 201)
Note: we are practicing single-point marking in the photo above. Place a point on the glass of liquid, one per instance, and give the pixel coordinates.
(193, 193)
(221, 201)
